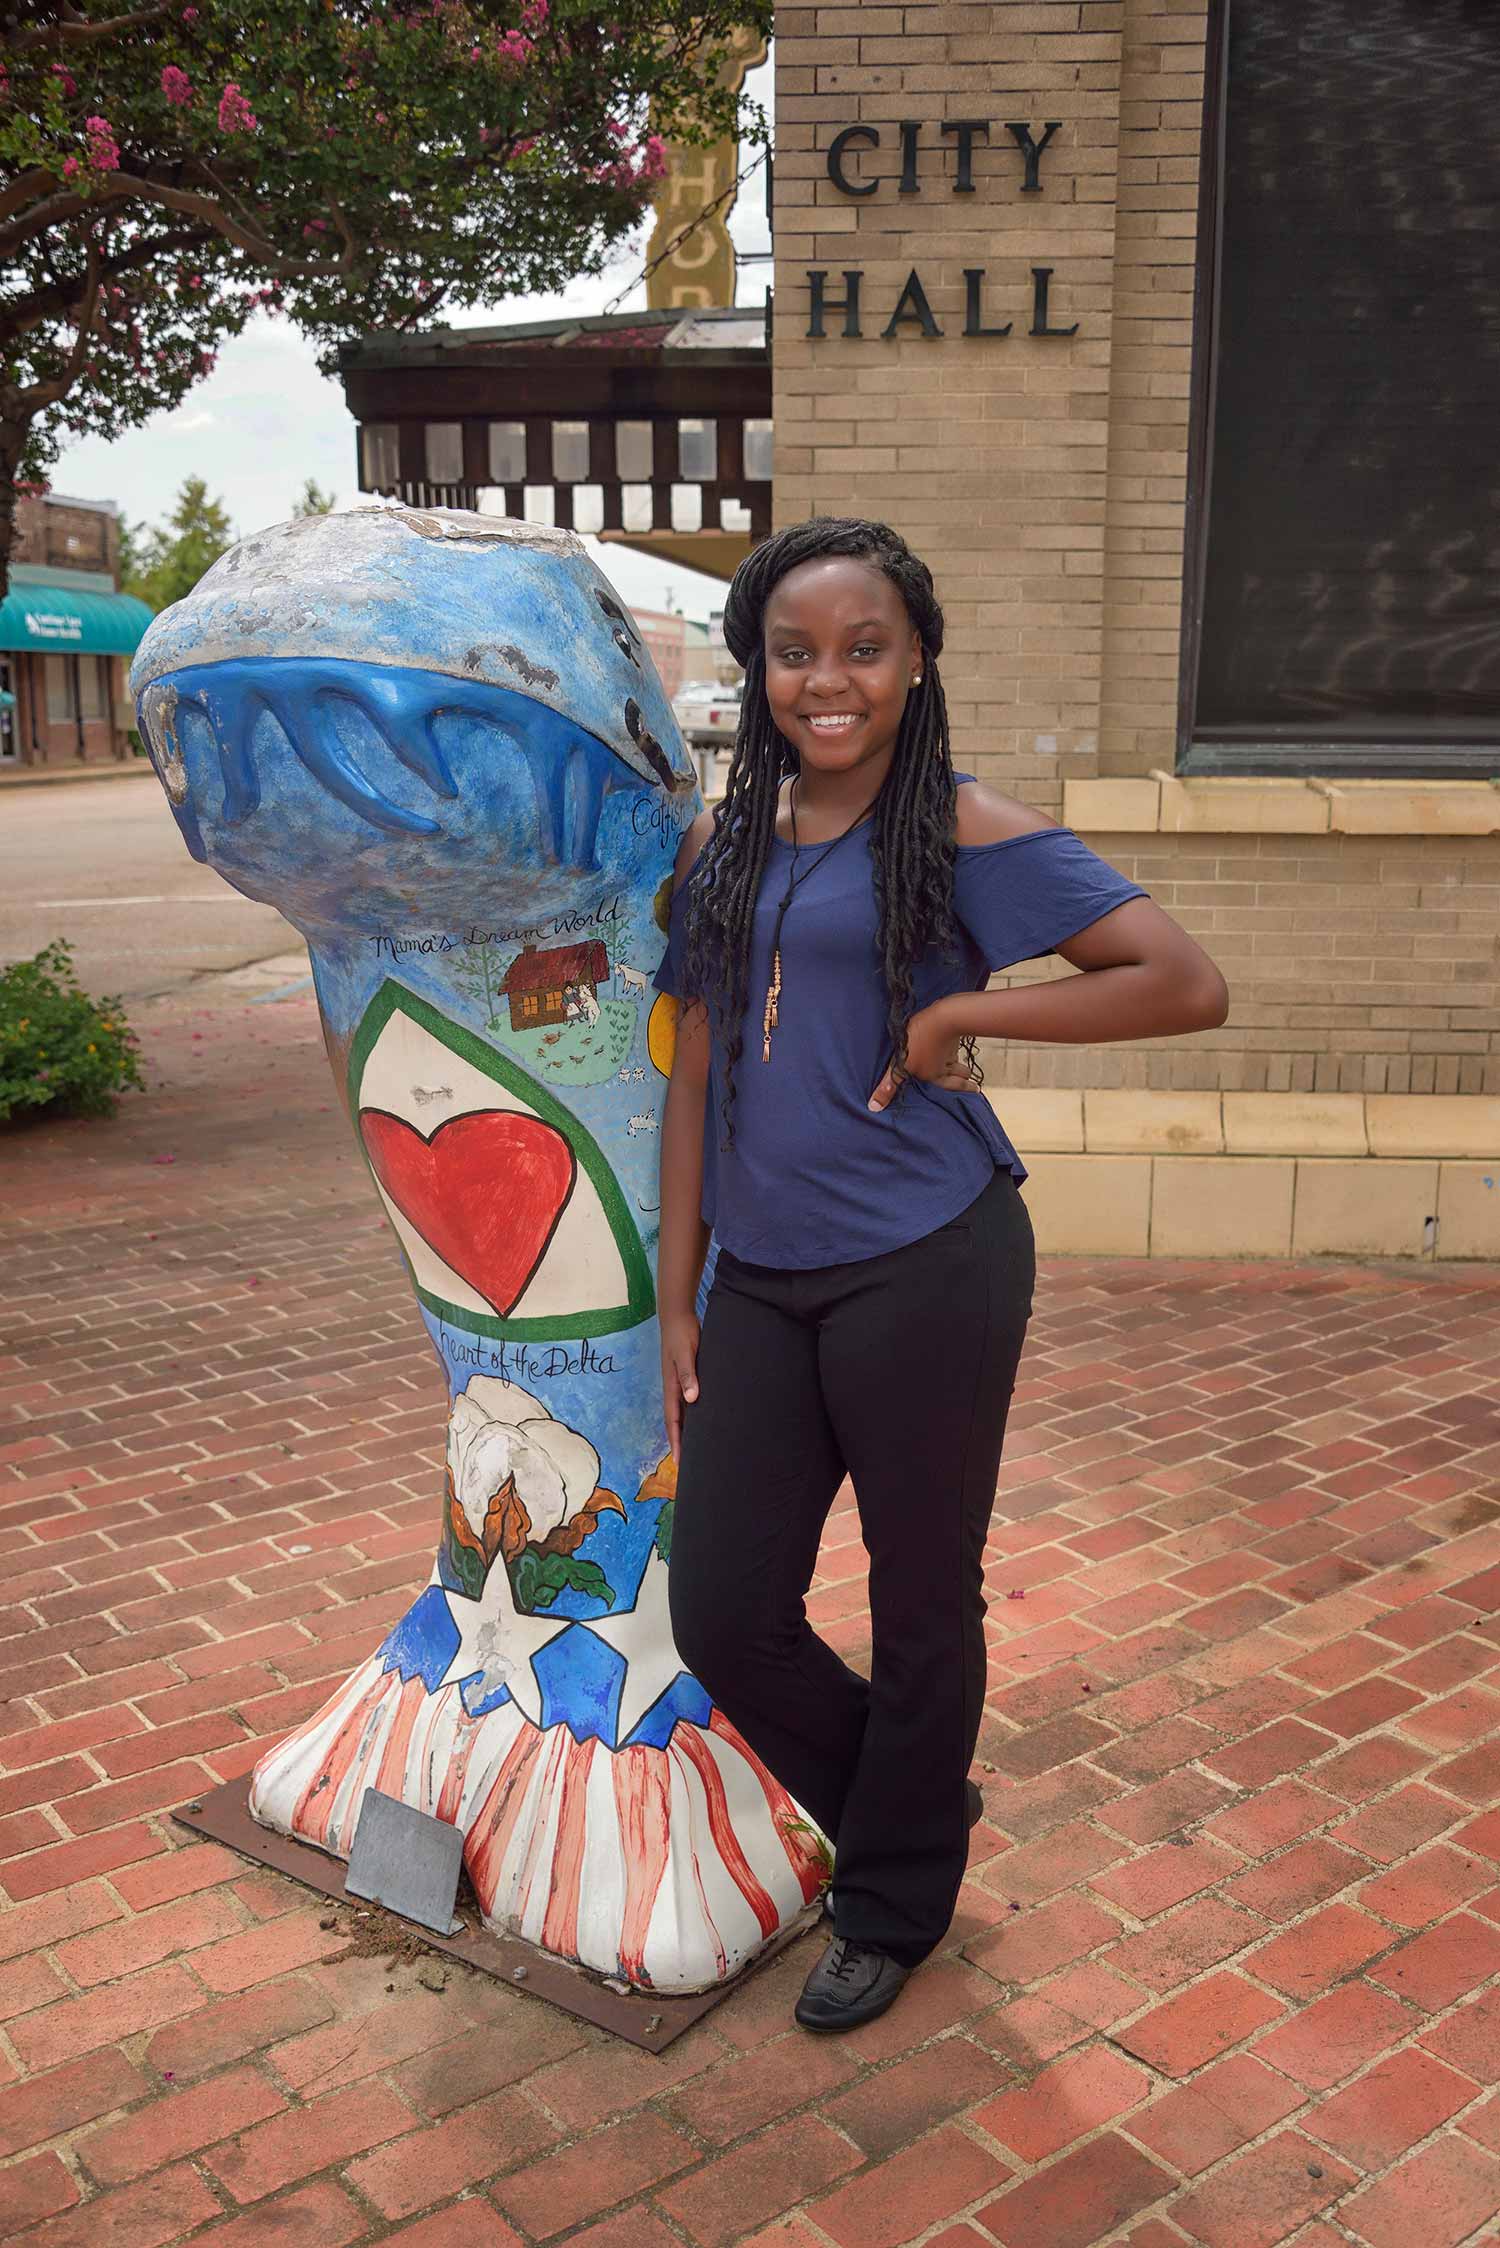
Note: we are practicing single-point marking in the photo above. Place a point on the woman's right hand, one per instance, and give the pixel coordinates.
(679, 1371)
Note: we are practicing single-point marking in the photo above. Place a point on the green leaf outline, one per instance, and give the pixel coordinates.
(640, 1302)
(537, 1577)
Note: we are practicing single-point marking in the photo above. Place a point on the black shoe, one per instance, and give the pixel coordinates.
(851, 1983)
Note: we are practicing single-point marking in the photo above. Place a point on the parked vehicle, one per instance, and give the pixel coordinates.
(708, 714)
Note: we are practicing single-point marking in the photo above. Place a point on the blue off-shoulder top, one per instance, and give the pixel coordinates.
(815, 1176)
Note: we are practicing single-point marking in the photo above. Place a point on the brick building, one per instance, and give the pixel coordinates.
(1166, 336)
(67, 634)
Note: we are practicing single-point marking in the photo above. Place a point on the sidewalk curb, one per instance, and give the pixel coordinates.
(41, 776)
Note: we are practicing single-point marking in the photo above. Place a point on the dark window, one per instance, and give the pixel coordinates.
(1343, 587)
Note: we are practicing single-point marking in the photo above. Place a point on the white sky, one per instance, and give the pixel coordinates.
(266, 419)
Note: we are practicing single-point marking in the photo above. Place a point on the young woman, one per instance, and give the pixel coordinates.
(833, 927)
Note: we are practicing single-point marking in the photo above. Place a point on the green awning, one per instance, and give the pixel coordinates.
(67, 620)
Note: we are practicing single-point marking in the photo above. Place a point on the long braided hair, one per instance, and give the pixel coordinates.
(912, 829)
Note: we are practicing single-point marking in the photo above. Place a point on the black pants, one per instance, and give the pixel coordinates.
(897, 1369)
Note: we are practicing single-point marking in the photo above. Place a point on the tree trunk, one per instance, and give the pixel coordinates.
(13, 436)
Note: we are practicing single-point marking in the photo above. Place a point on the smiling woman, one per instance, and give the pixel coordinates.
(859, 619)
(833, 928)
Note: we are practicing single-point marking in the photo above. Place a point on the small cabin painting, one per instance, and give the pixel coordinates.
(547, 987)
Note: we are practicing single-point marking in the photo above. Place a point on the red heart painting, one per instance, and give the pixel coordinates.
(485, 1192)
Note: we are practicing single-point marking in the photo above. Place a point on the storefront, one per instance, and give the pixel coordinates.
(1171, 340)
(66, 636)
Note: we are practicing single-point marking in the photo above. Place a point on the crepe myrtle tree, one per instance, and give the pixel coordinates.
(165, 169)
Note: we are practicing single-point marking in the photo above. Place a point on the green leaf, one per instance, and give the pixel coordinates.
(525, 1571)
(664, 1529)
(567, 1571)
(57, 1045)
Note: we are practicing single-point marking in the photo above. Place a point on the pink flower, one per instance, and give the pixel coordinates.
(100, 145)
(177, 86)
(190, 15)
(653, 157)
(235, 113)
(206, 361)
(616, 130)
(69, 82)
(70, 167)
(380, 117)
(525, 147)
(514, 48)
(534, 14)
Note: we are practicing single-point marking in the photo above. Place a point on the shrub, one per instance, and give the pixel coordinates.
(58, 1046)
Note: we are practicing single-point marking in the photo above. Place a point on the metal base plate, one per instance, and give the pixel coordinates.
(642, 2017)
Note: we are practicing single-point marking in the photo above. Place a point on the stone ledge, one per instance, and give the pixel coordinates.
(1103, 1122)
(1245, 804)
(1263, 1206)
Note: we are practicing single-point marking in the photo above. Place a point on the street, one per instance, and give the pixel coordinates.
(101, 863)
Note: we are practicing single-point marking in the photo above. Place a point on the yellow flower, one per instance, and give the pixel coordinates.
(106, 1024)
(93, 1049)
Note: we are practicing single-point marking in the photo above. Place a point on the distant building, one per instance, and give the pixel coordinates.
(666, 636)
(540, 984)
(66, 636)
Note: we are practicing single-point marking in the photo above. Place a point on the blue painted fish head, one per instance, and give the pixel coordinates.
(360, 715)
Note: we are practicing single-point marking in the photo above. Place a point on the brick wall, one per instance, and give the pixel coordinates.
(1356, 964)
(990, 454)
(1161, 105)
(56, 533)
(1045, 478)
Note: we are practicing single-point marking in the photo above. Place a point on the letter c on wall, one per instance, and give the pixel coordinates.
(836, 149)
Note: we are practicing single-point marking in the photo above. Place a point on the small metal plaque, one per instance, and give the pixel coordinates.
(407, 1861)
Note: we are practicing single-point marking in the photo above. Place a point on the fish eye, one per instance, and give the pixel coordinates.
(619, 630)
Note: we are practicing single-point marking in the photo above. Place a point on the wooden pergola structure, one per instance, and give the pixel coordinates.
(650, 428)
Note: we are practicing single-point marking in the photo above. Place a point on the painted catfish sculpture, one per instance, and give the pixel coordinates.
(438, 744)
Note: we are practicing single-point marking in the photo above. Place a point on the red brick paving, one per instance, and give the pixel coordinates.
(1227, 1965)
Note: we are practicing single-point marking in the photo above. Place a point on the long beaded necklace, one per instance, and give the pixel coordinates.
(798, 876)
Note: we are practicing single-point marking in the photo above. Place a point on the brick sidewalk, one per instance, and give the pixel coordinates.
(1228, 1966)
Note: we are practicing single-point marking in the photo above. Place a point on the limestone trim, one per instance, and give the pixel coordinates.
(1244, 804)
(1249, 1206)
(1387, 1126)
